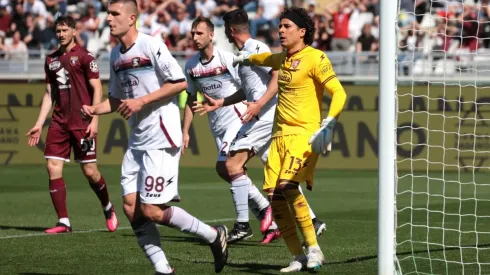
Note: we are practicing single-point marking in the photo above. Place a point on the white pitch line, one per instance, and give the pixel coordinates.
(91, 230)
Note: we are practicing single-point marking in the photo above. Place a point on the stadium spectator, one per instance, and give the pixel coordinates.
(340, 17)
(38, 9)
(17, 50)
(5, 20)
(205, 8)
(33, 36)
(90, 22)
(268, 13)
(367, 43)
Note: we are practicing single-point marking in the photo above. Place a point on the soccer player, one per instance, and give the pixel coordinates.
(72, 78)
(299, 135)
(144, 82)
(211, 72)
(253, 138)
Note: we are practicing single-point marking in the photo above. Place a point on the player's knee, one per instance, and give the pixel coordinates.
(55, 168)
(91, 172)
(233, 167)
(129, 207)
(221, 170)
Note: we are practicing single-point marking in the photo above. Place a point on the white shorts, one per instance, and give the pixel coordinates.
(224, 140)
(153, 173)
(254, 136)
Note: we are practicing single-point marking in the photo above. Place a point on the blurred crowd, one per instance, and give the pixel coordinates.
(342, 25)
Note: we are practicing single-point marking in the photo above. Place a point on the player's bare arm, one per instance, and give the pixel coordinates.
(210, 104)
(188, 116)
(34, 134)
(131, 106)
(107, 106)
(253, 108)
(96, 85)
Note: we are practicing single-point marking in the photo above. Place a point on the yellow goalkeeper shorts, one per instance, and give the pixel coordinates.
(290, 159)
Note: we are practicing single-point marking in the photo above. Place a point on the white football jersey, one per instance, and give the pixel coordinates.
(256, 78)
(217, 78)
(140, 70)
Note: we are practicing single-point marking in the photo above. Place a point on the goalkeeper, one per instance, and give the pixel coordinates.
(299, 134)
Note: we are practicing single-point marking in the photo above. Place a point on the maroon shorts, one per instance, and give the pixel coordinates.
(59, 143)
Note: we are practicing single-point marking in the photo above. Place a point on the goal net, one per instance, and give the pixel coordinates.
(443, 137)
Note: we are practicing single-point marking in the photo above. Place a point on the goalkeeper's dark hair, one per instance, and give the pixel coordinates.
(238, 19)
(306, 21)
(65, 21)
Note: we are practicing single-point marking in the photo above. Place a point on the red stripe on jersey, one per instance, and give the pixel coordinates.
(208, 72)
(237, 112)
(165, 132)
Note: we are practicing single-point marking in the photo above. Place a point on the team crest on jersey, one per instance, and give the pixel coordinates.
(136, 62)
(295, 64)
(54, 65)
(74, 60)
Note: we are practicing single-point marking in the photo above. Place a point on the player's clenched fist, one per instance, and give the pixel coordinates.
(34, 135)
(87, 111)
(129, 106)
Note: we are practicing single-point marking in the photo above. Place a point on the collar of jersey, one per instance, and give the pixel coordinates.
(298, 51)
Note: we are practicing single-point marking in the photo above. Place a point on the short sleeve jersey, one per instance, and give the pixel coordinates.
(69, 74)
(255, 79)
(140, 70)
(218, 79)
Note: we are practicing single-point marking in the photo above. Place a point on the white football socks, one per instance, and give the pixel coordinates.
(65, 221)
(187, 223)
(256, 197)
(239, 192)
(312, 215)
(149, 240)
(107, 207)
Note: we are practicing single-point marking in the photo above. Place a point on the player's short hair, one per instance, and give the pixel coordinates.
(238, 19)
(132, 2)
(202, 19)
(301, 18)
(65, 21)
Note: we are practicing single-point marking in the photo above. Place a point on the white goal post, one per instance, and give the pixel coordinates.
(434, 138)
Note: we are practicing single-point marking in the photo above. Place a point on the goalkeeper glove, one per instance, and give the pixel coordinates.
(321, 140)
(241, 59)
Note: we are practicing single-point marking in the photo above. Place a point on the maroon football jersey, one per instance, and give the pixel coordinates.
(69, 74)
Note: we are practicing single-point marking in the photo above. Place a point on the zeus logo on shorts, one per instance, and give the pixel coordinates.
(88, 145)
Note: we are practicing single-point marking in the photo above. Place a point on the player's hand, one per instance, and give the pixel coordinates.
(185, 141)
(92, 129)
(87, 111)
(321, 140)
(34, 135)
(241, 59)
(208, 105)
(253, 110)
(129, 107)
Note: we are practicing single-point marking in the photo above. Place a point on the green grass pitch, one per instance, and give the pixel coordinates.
(347, 201)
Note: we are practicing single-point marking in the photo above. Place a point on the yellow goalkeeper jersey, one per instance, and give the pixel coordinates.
(302, 79)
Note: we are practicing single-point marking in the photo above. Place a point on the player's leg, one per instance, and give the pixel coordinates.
(145, 231)
(252, 138)
(298, 166)
(280, 208)
(85, 152)
(159, 186)
(319, 225)
(56, 152)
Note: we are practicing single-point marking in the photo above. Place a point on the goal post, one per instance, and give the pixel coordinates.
(387, 137)
(434, 137)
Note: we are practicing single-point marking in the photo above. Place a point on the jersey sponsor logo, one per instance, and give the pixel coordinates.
(327, 68)
(129, 82)
(285, 76)
(63, 79)
(295, 64)
(74, 60)
(54, 65)
(211, 86)
(93, 66)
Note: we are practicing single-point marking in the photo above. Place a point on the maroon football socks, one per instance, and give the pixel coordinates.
(57, 190)
(100, 189)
